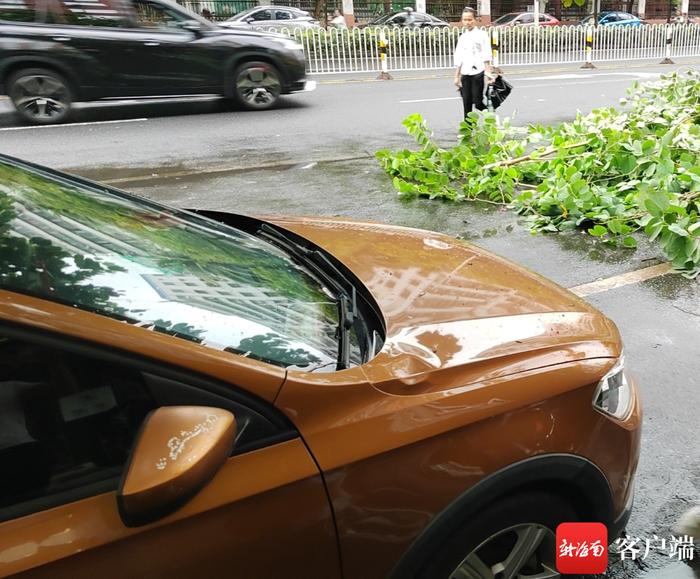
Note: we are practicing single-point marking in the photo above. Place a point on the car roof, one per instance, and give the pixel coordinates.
(277, 7)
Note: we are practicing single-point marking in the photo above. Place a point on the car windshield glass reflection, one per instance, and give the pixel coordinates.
(162, 269)
(507, 18)
(382, 19)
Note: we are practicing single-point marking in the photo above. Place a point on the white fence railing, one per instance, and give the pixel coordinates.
(357, 50)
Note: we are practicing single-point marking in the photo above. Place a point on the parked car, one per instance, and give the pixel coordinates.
(613, 19)
(262, 395)
(525, 19)
(67, 51)
(269, 16)
(402, 20)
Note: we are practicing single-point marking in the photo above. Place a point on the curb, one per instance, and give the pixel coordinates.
(511, 72)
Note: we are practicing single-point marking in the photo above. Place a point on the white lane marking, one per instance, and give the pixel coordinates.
(591, 79)
(594, 75)
(616, 281)
(519, 86)
(74, 125)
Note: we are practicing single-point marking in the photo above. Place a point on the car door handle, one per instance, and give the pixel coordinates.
(62, 38)
(151, 43)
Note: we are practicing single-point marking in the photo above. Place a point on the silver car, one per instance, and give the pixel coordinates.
(272, 16)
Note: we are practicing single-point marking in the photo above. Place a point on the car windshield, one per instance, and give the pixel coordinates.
(165, 270)
(507, 18)
(243, 15)
(382, 19)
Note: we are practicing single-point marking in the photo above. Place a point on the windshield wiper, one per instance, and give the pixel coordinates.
(321, 266)
(347, 310)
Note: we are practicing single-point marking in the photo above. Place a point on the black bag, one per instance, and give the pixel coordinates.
(498, 91)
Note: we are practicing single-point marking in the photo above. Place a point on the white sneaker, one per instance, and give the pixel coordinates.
(689, 523)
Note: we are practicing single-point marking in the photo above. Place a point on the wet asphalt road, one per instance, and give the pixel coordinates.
(200, 154)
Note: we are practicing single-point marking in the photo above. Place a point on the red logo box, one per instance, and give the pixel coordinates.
(582, 548)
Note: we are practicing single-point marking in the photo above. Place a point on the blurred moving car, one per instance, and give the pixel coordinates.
(277, 16)
(260, 396)
(525, 19)
(609, 18)
(60, 52)
(402, 20)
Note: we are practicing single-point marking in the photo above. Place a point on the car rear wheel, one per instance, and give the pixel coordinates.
(257, 85)
(40, 96)
(513, 538)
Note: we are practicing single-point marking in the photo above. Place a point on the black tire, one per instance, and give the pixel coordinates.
(492, 534)
(257, 85)
(40, 96)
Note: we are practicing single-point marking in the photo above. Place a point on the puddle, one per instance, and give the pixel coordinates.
(676, 570)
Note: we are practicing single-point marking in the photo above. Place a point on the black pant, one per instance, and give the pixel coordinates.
(473, 92)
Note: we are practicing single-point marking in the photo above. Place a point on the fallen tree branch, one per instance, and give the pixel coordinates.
(545, 153)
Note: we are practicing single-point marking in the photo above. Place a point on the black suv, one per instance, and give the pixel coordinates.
(56, 52)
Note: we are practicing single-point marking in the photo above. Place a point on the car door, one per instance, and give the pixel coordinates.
(51, 32)
(69, 412)
(168, 58)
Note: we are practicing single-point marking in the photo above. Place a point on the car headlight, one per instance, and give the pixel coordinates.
(287, 43)
(614, 393)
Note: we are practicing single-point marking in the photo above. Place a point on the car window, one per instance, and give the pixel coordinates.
(103, 13)
(507, 18)
(398, 19)
(543, 18)
(67, 425)
(162, 269)
(384, 19)
(152, 15)
(18, 11)
(526, 19)
(282, 15)
(262, 15)
(421, 17)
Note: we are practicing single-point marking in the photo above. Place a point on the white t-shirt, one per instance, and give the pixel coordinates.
(339, 22)
(473, 49)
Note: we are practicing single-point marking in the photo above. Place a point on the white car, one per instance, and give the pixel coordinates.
(272, 16)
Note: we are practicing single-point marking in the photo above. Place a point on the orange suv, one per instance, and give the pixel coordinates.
(185, 394)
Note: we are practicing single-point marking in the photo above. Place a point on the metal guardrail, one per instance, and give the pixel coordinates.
(357, 50)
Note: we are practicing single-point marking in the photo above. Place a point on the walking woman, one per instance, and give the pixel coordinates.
(472, 59)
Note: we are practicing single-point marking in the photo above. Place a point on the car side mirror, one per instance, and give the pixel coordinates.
(192, 26)
(177, 452)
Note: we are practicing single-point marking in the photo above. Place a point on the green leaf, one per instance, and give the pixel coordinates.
(630, 242)
(598, 231)
(678, 230)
